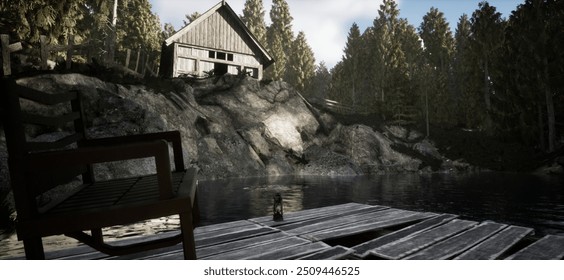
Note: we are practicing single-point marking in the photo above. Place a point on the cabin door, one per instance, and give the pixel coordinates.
(220, 69)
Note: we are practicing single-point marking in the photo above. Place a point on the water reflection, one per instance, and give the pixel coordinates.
(519, 199)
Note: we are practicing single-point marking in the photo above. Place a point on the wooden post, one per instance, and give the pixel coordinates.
(6, 50)
(138, 56)
(44, 52)
(127, 57)
(6, 67)
(145, 64)
(70, 51)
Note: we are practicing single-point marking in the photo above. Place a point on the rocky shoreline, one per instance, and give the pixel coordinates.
(236, 127)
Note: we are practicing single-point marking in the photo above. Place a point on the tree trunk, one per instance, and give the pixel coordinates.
(545, 80)
(114, 15)
(487, 97)
(549, 108)
(486, 88)
(113, 36)
(542, 141)
(427, 113)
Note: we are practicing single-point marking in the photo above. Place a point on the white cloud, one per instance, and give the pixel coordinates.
(325, 22)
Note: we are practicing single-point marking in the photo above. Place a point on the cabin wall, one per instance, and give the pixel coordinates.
(196, 61)
(221, 32)
(216, 42)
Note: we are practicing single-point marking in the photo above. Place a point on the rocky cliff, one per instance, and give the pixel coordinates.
(237, 127)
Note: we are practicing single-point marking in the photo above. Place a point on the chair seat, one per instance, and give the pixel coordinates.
(112, 202)
(117, 193)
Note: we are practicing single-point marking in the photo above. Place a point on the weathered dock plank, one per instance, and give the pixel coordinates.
(332, 253)
(292, 252)
(328, 219)
(458, 243)
(61, 254)
(311, 214)
(224, 238)
(363, 250)
(339, 222)
(208, 251)
(223, 226)
(378, 223)
(212, 231)
(248, 252)
(84, 252)
(413, 243)
(240, 244)
(550, 247)
(496, 245)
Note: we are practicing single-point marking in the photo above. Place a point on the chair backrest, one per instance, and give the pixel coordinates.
(28, 113)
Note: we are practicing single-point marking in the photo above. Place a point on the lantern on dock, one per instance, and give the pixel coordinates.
(277, 208)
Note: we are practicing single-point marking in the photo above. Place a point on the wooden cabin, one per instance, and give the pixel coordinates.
(218, 40)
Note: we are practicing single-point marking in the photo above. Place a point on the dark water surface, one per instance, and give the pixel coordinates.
(518, 199)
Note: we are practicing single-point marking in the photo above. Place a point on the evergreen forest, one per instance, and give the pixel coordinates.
(501, 76)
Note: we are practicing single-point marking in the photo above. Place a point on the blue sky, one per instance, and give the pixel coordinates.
(326, 23)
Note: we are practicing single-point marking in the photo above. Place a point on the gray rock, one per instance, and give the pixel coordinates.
(230, 127)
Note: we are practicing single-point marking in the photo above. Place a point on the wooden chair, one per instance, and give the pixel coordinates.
(36, 167)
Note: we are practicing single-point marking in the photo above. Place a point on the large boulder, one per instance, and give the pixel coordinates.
(277, 106)
(371, 150)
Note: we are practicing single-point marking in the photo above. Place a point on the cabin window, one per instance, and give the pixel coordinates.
(252, 72)
(221, 55)
(230, 57)
(211, 54)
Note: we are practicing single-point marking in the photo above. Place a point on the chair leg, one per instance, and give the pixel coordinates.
(196, 211)
(33, 248)
(187, 230)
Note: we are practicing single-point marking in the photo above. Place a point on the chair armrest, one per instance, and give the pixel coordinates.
(89, 155)
(172, 137)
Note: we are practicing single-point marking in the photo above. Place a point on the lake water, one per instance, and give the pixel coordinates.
(518, 199)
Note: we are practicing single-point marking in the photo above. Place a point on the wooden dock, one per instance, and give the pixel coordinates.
(354, 231)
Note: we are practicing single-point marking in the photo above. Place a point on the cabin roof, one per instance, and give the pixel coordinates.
(246, 32)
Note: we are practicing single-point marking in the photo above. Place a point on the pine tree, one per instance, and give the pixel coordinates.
(439, 46)
(168, 30)
(351, 78)
(321, 83)
(413, 55)
(437, 38)
(487, 38)
(386, 56)
(529, 79)
(27, 20)
(279, 33)
(191, 17)
(466, 77)
(301, 63)
(253, 17)
(88, 20)
(277, 71)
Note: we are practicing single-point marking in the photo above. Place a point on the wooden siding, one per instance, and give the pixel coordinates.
(195, 60)
(219, 31)
(204, 54)
(217, 39)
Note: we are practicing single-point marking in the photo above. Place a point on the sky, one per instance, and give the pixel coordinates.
(326, 23)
